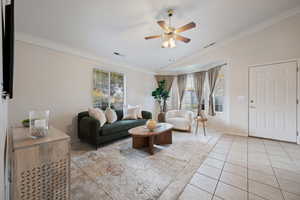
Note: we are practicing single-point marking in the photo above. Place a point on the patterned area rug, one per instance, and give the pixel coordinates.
(119, 172)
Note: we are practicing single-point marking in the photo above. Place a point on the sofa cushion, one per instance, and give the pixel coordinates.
(119, 114)
(131, 113)
(98, 114)
(111, 115)
(121, 125)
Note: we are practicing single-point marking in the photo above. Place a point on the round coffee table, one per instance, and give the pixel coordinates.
(143, 137)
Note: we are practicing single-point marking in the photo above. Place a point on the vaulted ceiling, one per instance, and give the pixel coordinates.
(101, 27)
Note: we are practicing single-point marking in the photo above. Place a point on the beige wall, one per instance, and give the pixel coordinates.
(280, 41)
(62, 83)
(3, 125)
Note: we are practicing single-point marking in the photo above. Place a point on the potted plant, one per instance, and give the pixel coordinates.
(161, 95)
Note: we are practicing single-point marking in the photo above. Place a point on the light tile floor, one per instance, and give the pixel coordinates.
(241, 168)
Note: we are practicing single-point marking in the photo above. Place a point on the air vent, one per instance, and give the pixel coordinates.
(209, 45)
(118, 54)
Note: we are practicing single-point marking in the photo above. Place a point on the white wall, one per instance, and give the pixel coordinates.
(48, 79)
(280, 41)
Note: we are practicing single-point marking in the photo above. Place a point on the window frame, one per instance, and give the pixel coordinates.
(109, 85)
(192, 88)
(222, 72)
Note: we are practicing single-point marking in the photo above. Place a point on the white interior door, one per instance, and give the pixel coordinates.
(272, 101)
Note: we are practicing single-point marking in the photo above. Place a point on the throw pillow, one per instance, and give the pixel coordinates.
(139, 111)
(131, 113)
(98, 114)
(111, 115)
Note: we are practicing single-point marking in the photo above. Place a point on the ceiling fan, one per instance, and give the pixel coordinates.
(170, 33)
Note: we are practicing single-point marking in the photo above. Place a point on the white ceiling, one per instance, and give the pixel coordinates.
(101, 27)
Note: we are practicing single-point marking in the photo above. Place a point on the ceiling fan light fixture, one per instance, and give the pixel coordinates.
(170, 33)
(172, 43)
(168, 41)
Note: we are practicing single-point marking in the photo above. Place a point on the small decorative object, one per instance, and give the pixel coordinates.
(161, 95)
(161, 117)
(151, 124)
(38, 123)
(25, 123)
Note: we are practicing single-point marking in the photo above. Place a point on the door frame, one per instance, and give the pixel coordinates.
(297, 61)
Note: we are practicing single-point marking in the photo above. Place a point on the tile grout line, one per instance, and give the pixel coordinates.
(290, 157)
(207, 143)
(247, 170)
(253, 169)
(214, 193)
(264, 174)
(248, 179)
(281, 191)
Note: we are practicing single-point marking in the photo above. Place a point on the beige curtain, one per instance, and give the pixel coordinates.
(168, 78)
(169, 81)
(199, 78)
(212, 80)
(181, 82)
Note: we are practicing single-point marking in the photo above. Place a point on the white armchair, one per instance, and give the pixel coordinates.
(180, 119)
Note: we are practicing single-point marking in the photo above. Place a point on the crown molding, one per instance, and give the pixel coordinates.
(259, 27)
(41, 42)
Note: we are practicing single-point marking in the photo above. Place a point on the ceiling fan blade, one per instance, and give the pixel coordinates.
(183, 39)
(163, 25)
(152, 37)
(186, 27)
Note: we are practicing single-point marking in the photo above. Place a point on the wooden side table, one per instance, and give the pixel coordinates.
(202, 120)
(41, 167)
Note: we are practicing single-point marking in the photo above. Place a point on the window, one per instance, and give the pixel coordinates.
(172, 99)
(190, 99)
(117, 90)
(101, 88)
(219, 92)
(108, 87)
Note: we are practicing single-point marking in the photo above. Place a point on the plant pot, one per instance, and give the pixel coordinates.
(161, 117)
(25, 123)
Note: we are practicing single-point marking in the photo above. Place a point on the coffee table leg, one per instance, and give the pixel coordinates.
(165, 138)
(139, 142)
(151, 143)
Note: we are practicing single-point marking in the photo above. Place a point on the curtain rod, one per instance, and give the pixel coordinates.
(204, 70)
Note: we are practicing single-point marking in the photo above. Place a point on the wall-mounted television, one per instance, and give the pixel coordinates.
(8, 37)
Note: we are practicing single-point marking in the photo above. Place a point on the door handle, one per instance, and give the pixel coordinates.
(253, 107)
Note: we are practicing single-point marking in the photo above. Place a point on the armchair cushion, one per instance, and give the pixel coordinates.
(180, 119)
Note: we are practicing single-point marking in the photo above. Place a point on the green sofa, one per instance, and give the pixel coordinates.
(89, 129)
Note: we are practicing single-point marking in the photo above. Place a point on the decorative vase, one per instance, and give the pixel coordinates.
(38, 123)
(161, 117)
(151, 124)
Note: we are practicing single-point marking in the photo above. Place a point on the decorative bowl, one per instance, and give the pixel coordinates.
(151, 124)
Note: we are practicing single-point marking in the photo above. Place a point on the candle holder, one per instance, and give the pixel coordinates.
(38, 123)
